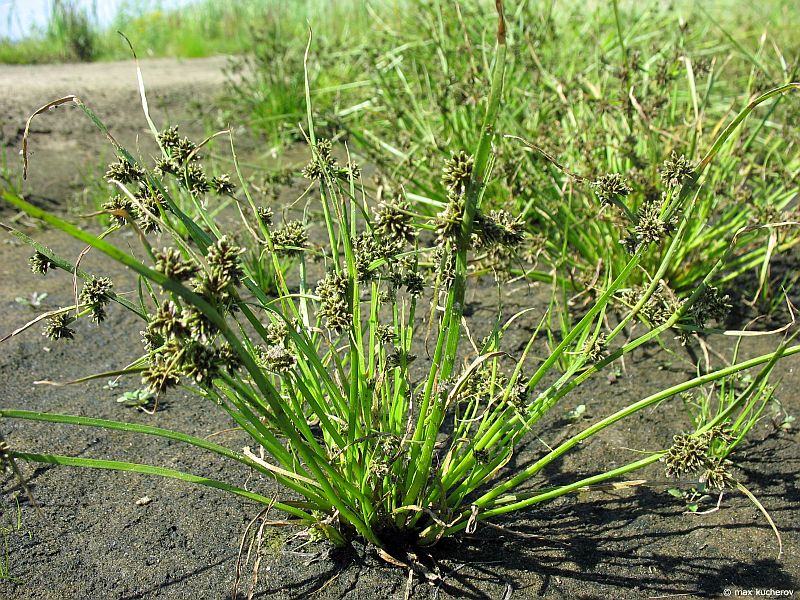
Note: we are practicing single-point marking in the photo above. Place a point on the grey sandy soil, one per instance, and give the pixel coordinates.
(66, 149)
(94, 541)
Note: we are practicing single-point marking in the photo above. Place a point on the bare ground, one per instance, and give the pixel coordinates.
(94, 541)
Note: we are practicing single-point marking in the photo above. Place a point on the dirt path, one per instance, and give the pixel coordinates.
(66, 149)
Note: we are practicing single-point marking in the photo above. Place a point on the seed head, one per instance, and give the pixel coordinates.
(277, 333)
(448, 223)
(334, 305)
(167, 166)
(322, 161)
(445, 261)
(222, 185)
(291, 239)
(199, 362)
(650, 227)
(596, 350)
(688, 454)
(352, 170)
(385, 333)
(498, 228)
(41, 263)
(610, 187)
(171, 263)
(266, 216)
(675, 170)
(169, 138)
(229, 359)
(151, 340)
(161, 374)
(125, 172)
(393, 222)
(366, 250)
(223, 260)
(120, 209)
(457, 171)
(56, 327)
(95, 293)
(167, 322)
(405, 273)
(710, 306)
(194, 179)
(277, 359)
(200, 327)
(717, 475)
(181, 151)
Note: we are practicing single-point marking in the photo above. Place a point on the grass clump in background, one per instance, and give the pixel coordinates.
(73, 31)
(608, 106)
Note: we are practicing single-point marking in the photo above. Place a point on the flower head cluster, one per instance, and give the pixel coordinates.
(393, 221)
(178, 149)
(675, 170)
(650, 227)
(278, 333)
(498, 228)
(457, 171)
(444, 260)
(223, 261)
(125, 171)
(610, 187)
(120, 210)
(695, 453)
(596, 349)
(152, 204)
(145, 210)
(322, 161)
(710, 306)
(448, 222)
(717, 475)
(290, 239)
(194, 179)
(222, 185)
(180, 343)
(57, 327)
(96, 294)
(171, 263)
(276, 358)
(688, 454)
(40, 263)
(334, 304)
(366, 250)
(404, 272)
(265, 215)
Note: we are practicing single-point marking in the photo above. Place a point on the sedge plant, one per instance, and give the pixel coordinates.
(322, 378)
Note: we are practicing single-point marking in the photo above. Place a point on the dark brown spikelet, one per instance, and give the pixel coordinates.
(40, 263)
(610, 187)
